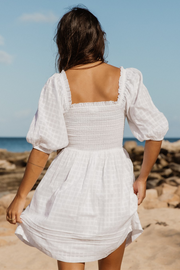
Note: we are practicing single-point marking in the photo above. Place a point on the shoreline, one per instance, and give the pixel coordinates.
(19, 144)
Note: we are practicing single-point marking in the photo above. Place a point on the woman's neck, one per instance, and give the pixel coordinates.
(86, 66)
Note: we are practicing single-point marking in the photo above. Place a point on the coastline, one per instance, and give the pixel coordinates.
(19, 144)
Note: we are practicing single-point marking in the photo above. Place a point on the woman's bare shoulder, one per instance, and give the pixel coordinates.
(110, 72)
(111, 66)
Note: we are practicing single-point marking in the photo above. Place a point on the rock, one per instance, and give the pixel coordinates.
(177, 206)
(7, 199)
(167, 173)
(5, 165)
(151, 194)
(176, 158)
(137, 167)
(173, 181)
(154, 183)
(154, 204)
(3, 153)
(12, 179)
(166, 157)
(177, 192)
(159, 190)
(136, 173)
(153, 175)
(151, 200)
(136, 163)
(167, 189)
(167, 197)
(19, 159)
(174, 204)
(138, 150)
(163, 151)
(156, 167)
(162, 181)
(175, 168)
(2, 210)
(2, 193)
(129, 146)
(163, 162)
(172, 200)
(171, 147)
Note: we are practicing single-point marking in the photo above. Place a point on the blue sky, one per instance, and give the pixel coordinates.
(141, 34)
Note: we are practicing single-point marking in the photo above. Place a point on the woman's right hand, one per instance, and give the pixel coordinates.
(15, 209)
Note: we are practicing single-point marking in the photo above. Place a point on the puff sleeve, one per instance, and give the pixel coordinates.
(145, 120)
(47, 131)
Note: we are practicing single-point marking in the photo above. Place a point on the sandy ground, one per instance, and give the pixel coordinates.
(158, 248)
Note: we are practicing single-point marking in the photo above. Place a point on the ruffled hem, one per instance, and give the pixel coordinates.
(132, 231)
(96, 103)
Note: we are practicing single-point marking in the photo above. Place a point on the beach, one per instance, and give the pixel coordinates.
(158, 247)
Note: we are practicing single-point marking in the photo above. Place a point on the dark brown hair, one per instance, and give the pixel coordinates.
(79, 38)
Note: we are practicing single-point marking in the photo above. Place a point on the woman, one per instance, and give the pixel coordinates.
(85, 207)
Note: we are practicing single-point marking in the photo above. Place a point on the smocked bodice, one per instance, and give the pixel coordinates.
(95, 128)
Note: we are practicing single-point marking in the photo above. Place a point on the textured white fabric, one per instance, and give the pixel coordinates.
(48, 129)
(145, 120)
(85, 206)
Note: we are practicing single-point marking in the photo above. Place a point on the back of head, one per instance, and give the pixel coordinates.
(79, 38)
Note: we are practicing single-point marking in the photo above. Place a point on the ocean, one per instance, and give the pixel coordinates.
(20, 144)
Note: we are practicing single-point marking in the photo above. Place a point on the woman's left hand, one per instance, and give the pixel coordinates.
(15, 209)
(139, 187)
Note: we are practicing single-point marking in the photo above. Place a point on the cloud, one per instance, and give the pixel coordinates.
(176, 118)
(5, 58)
(1, 40)
(22, 114)
(2, 120)
(39, 17)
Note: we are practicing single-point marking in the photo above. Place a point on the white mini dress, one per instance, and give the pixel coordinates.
(85, 207)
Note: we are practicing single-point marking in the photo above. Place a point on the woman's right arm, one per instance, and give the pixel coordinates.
(47, 133)
(151, 152)
(36, 163)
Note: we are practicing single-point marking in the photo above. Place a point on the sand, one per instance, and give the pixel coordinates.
(158, 248)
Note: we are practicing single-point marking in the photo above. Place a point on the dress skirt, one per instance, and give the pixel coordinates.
(83, 213)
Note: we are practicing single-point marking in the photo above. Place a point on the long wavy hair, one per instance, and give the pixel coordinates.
(79, 38)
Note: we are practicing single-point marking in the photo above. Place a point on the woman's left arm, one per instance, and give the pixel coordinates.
(151, 152)
(36, 163)
(146, 122)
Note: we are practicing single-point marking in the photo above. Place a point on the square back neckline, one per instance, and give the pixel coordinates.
(93, 103)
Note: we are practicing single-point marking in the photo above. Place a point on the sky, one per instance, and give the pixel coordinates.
(141, 34)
